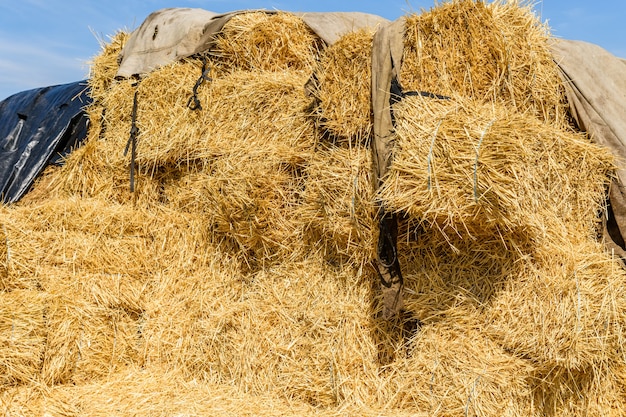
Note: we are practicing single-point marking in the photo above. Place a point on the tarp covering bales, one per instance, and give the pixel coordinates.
(39, 127)
(595, 82)
(237, 277)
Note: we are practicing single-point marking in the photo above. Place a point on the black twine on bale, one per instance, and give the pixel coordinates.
(132, 140)
(203, 77)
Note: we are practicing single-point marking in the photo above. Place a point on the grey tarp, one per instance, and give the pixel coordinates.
(595, 82)
(37, 128)
(168, 35)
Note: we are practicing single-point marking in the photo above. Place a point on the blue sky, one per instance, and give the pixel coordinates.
(48, 42)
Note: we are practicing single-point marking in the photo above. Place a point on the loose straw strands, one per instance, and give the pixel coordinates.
(104, 66)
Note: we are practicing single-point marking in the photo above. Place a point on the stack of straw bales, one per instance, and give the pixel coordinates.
(235, 280)
(501, 203)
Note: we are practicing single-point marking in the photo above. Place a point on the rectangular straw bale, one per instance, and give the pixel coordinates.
(248, 202)
(564, 310)
(452, 276)
(297, 330)
(243, 110)
(99, 169)
(451, 368)
(179, 304)
(318, 324)
(75, 234)
(86, 342)
(22, 336)
(337, 212)
(342, 88)
(493, 52)
(471, 169)
(263, 111)
(98, 249)
(266, 41)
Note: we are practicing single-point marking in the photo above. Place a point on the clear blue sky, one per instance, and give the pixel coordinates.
(48, 42)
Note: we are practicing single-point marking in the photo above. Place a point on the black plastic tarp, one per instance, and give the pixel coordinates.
(37, 128)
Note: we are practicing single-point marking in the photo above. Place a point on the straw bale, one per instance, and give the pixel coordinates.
(337, 213)
(298, 330)
(85, 342)
(565, 310)
(69, 243)
(456, 276)
(247, 202)
(471, 169)
(97, 170)
(22, 336)
(342, 88)
(452, 369)
(497, 52)
(159, 392)
(242, 111)
(261, 41)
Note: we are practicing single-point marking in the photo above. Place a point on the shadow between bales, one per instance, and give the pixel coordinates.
(447, 278)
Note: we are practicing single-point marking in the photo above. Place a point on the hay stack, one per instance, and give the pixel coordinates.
(342, 87)
(492, 52)
(235, 279)
(472, 169)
